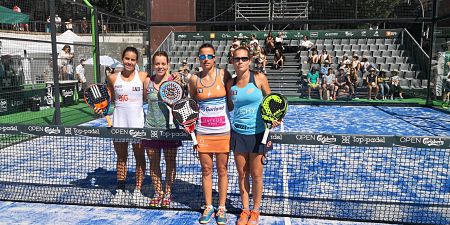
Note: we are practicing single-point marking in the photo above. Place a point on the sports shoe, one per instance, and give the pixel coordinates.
(121, 197)
(156, 200)
(167, 199)
(138, 199)
(207, 215)
(254, 218)
(243, 218)
(221, 216)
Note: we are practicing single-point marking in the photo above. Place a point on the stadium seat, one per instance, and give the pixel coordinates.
(386, 54)
(399, 60)
(382, 47)
(345, 41)
(353, 41)
(409, 75)
(404, 67)
(396, 53)
(376, 53)
(362, 41)
(364, 47)
(370, 41)
(380, 60)
(405, 84)
(337, 41)
(373, 47)
(392, 47)
(328, 42)
(424, 83)
(390, 60)
(379, 41)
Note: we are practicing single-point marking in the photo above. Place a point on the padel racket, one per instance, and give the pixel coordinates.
(99, 96)
(273, 107)
(185, 113)
(170, 92)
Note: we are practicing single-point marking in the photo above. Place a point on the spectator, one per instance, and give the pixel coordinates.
(58, 23)
(324, 56)
(69, 25)
(269, 43)
(328, 86)
(383, 84)
(47, 25)
(353, 80)
(446, 92)
(278, 59)
(184, 68)
(261, 60)
(324, 68)
(84, 26)
(19, 26)
(314, 82)
(254, 41)
(371, 81)
(80, 76)
(279, 42)
(395, 88)
(356, 63)
(341, 82)
(314, 57)
(65, 58)
(365, 64)
(48, 72)
(305, 44)
(343, 60)
(236, 42)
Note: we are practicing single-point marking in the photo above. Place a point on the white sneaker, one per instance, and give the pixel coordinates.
(138, 199)
(121, 197)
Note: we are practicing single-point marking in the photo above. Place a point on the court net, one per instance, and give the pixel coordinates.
(346, 177)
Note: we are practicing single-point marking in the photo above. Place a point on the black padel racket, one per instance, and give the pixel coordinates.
(185, 113)
(170, 92)
(273, 107)
(99, 96)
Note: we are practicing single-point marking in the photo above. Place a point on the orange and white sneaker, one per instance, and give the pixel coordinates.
(254, 218)
(243, 218)
(157, 200)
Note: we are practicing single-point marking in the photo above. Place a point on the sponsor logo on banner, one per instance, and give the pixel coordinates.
(3, 105)
(276, 137)
(314, 34)
(138, 133)
(433, 142)
(326, 139)
(345, 139)
(298, 35)
(363, 33)
(226, 36)
(118, 131)
(85, 131)
(412, 140)
(16, 103)
(67, 93)
(154, 134)
(349, 33)
(10, 128)
(182, 36)
(369, 140)
(331, 34)
(212, 35)
(35, 128)
(376, 34)
(52, 130)
(171, 134)
(198, 36)
(67, 130)
(305, 137)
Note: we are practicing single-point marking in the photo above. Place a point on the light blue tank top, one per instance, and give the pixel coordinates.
(247, 103)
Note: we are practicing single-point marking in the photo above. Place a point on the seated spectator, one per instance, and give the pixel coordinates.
(324, 56)
(84, 26)
(261, 60)
(278, 59)
(347, 66)
(305, 44)
(184, 68)
(269, 43)
(353, 82)
(446, 91)
(365, 64)
(341, 82)
(314, 57)
(371, 81)
(279, 42)
(383, 84)
(343, 60)
(253, 41)
(328, 81)
(236, 42)
(314, 82)
(356, 63)
(69, 25)
(324, 68)
(395, 88)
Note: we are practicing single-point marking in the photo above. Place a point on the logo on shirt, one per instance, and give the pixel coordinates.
(200, 90)
(136, 88)
(117, 86)
(234, 92)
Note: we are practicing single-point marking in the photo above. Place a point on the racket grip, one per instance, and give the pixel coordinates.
(194, 138)
(170, 115)
(108, 120)
(266, 134)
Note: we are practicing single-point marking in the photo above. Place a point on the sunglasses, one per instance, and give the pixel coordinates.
(237, 59)
(203, 57)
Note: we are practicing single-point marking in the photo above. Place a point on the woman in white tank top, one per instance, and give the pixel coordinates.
(127, 88)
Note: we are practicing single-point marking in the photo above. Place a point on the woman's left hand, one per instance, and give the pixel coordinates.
(176, 77)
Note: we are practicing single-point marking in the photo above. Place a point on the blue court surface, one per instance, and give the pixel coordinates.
(364, 173)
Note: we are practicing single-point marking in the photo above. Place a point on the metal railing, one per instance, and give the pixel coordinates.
(290, 10)
(249, 11)
(420, 56)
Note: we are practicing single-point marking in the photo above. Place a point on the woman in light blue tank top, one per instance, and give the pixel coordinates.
(245, 94)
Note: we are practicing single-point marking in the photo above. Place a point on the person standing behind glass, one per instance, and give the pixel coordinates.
(245, 93)
(213, 129)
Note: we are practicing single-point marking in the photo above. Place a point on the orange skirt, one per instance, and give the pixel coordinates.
(213, 143)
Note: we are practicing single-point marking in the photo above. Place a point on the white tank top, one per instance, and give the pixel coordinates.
(128, 111)
(128, 93)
